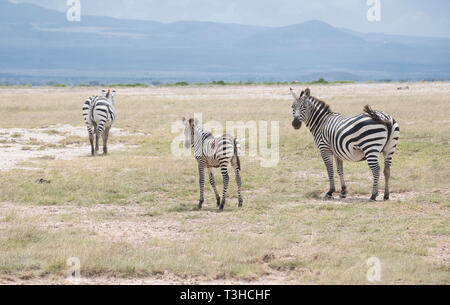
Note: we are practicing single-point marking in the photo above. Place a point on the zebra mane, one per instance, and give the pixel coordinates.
(320, 102)
(205, 134)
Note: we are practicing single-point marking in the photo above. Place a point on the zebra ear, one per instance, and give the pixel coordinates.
(307, 92)
(113, 93)
(293, 94)
(104, 92)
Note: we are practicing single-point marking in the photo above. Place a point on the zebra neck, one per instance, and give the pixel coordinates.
(200, 135)
(318, 113)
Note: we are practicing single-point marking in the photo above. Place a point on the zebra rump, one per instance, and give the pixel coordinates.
(99, 115)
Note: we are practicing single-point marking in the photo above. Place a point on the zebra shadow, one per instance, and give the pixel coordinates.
(194, 208)
(349, 200)
(318, 196)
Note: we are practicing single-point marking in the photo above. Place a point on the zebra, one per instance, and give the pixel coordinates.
(213, 152)
(348, 138)
(99, 115)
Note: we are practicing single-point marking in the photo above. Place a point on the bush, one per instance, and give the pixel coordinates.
(220, 82)
(181, 84)
(320, 81)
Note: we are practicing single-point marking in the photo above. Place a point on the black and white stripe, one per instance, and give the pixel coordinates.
(348, 138)
(213, 152)
(99, 115)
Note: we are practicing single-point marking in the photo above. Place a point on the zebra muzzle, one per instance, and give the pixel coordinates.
(296, 124)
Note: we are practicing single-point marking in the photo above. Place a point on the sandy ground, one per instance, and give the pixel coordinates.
(276, 278)
(259, 92)
(19, 144)
(133, 226)
(130, 227)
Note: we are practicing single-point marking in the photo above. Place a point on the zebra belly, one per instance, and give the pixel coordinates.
(354, 154)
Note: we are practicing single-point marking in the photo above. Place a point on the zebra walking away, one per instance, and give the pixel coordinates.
(213, 152)
(348, 138)
(99, 115)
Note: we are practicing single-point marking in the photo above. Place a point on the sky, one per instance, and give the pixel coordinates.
(404, 17)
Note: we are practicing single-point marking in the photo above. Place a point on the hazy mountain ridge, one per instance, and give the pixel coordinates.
(35, 39)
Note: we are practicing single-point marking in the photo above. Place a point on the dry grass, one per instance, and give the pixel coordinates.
(131, 215)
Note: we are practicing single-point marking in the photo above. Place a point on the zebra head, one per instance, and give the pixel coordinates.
(299, 108)
(189, 132)
(109, 95)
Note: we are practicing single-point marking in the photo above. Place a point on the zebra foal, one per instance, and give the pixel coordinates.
(213, 152)
(348, 138)
(99, 115)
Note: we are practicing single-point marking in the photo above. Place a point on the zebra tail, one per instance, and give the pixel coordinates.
(236, 153)
(387, 122)
(373, 114)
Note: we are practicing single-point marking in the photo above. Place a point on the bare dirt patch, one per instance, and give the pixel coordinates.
(316, 199)
(275, 278)
(130, 224)
(21, 144)
(309, 174)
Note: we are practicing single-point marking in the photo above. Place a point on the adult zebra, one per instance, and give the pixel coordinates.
(99, 115)
(212, 152)
(355, 138)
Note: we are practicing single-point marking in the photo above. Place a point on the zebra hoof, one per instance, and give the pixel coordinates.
(200, 203)
(240, 202)
(386, 197)
(373, 198)
(222, 205)
(328, 196)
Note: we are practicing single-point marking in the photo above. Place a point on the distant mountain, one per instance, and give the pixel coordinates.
(302, 35)
(40, 45)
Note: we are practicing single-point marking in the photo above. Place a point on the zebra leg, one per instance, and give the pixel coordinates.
(213, 184)
(226, 179)
(328, 160)
(340, 170)
(97, 137)
(105, 140)
(375, 167)
(100, 131)
(201, 180)
(91, 140)
(239, 183)
(387, 175)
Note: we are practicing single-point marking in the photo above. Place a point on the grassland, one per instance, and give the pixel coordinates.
(130, 216)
